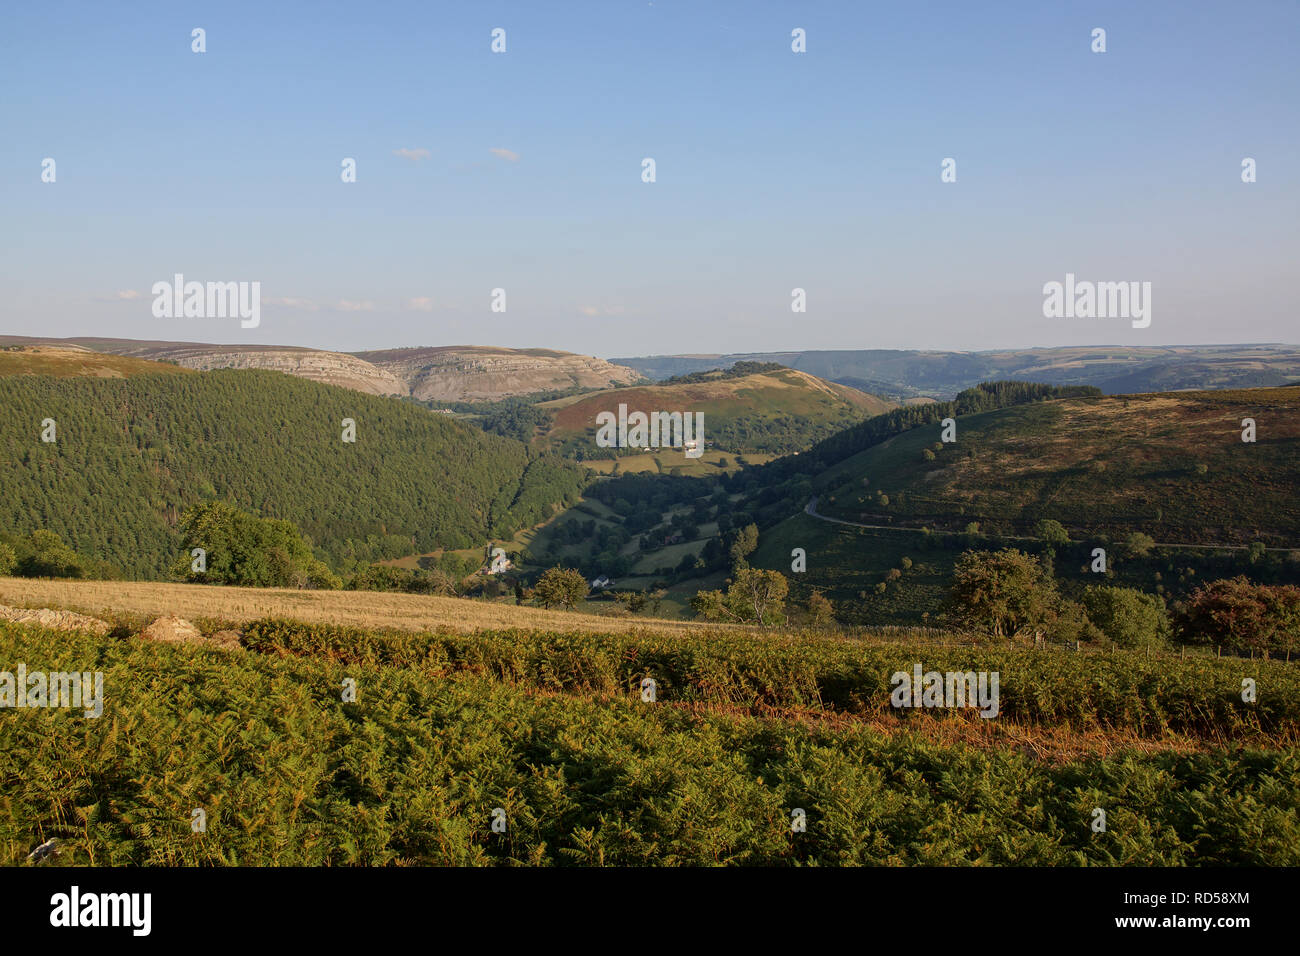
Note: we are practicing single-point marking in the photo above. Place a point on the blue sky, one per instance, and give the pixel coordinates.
(775, 170)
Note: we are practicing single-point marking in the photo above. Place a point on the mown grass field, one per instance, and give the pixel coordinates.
(111, 599)
(549, 727)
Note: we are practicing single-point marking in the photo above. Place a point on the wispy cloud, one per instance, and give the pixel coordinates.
(420, 304)
(412, 154)
(509, 155)
(122, 295)
(292, 303)
(592, 311)
(350, 305)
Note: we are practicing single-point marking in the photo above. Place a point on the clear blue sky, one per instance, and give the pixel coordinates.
(775, 170)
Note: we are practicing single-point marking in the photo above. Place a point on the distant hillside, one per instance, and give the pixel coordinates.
(1171, 465)
(66, 362)
(468, 373)
(132, 454)
(902, 374)
(892, 517)
(472, 373)
(776, 410)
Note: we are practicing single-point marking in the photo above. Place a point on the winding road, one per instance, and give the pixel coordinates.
(811, 511)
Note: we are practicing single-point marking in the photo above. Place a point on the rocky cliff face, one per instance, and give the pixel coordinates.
(331, 368)
(467, 373)
(473, 373)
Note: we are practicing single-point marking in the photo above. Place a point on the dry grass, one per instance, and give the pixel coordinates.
(360, 608)
(65, 362)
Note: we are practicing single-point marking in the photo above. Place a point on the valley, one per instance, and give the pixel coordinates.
(215, 529)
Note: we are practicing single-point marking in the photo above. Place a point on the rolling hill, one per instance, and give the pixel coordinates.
(76, 362)
(472, 373)
(133, 454)
(1171, 466)
(770, 410)
(468, 373)
(901, 374)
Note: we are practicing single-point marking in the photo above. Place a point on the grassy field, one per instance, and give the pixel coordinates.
(359, 608)
(663, 462)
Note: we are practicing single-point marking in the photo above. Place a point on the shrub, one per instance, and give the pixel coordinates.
(1244, 616)
(1128, 617)
(1052, 533)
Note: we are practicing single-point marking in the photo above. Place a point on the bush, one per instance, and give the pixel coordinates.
(820, 611)
(246, 550)
(1052, 533)
(1128, 617)
(1138, 545)
(49, 558)
(1244, 616)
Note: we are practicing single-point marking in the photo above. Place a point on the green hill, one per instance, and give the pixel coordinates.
(754, 409)
(1172, 465)
(904, 373)
(132, 454)
(892, 515)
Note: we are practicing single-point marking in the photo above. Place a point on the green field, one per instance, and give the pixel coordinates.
(550, 729)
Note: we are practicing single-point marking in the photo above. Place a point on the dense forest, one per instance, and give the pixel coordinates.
(130, 456)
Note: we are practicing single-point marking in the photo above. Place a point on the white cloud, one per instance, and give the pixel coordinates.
(292, 303)
(349, 305)
(508, 155)
(412, 154)
(420, 304)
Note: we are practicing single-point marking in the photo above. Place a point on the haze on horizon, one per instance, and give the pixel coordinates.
(774, 170)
